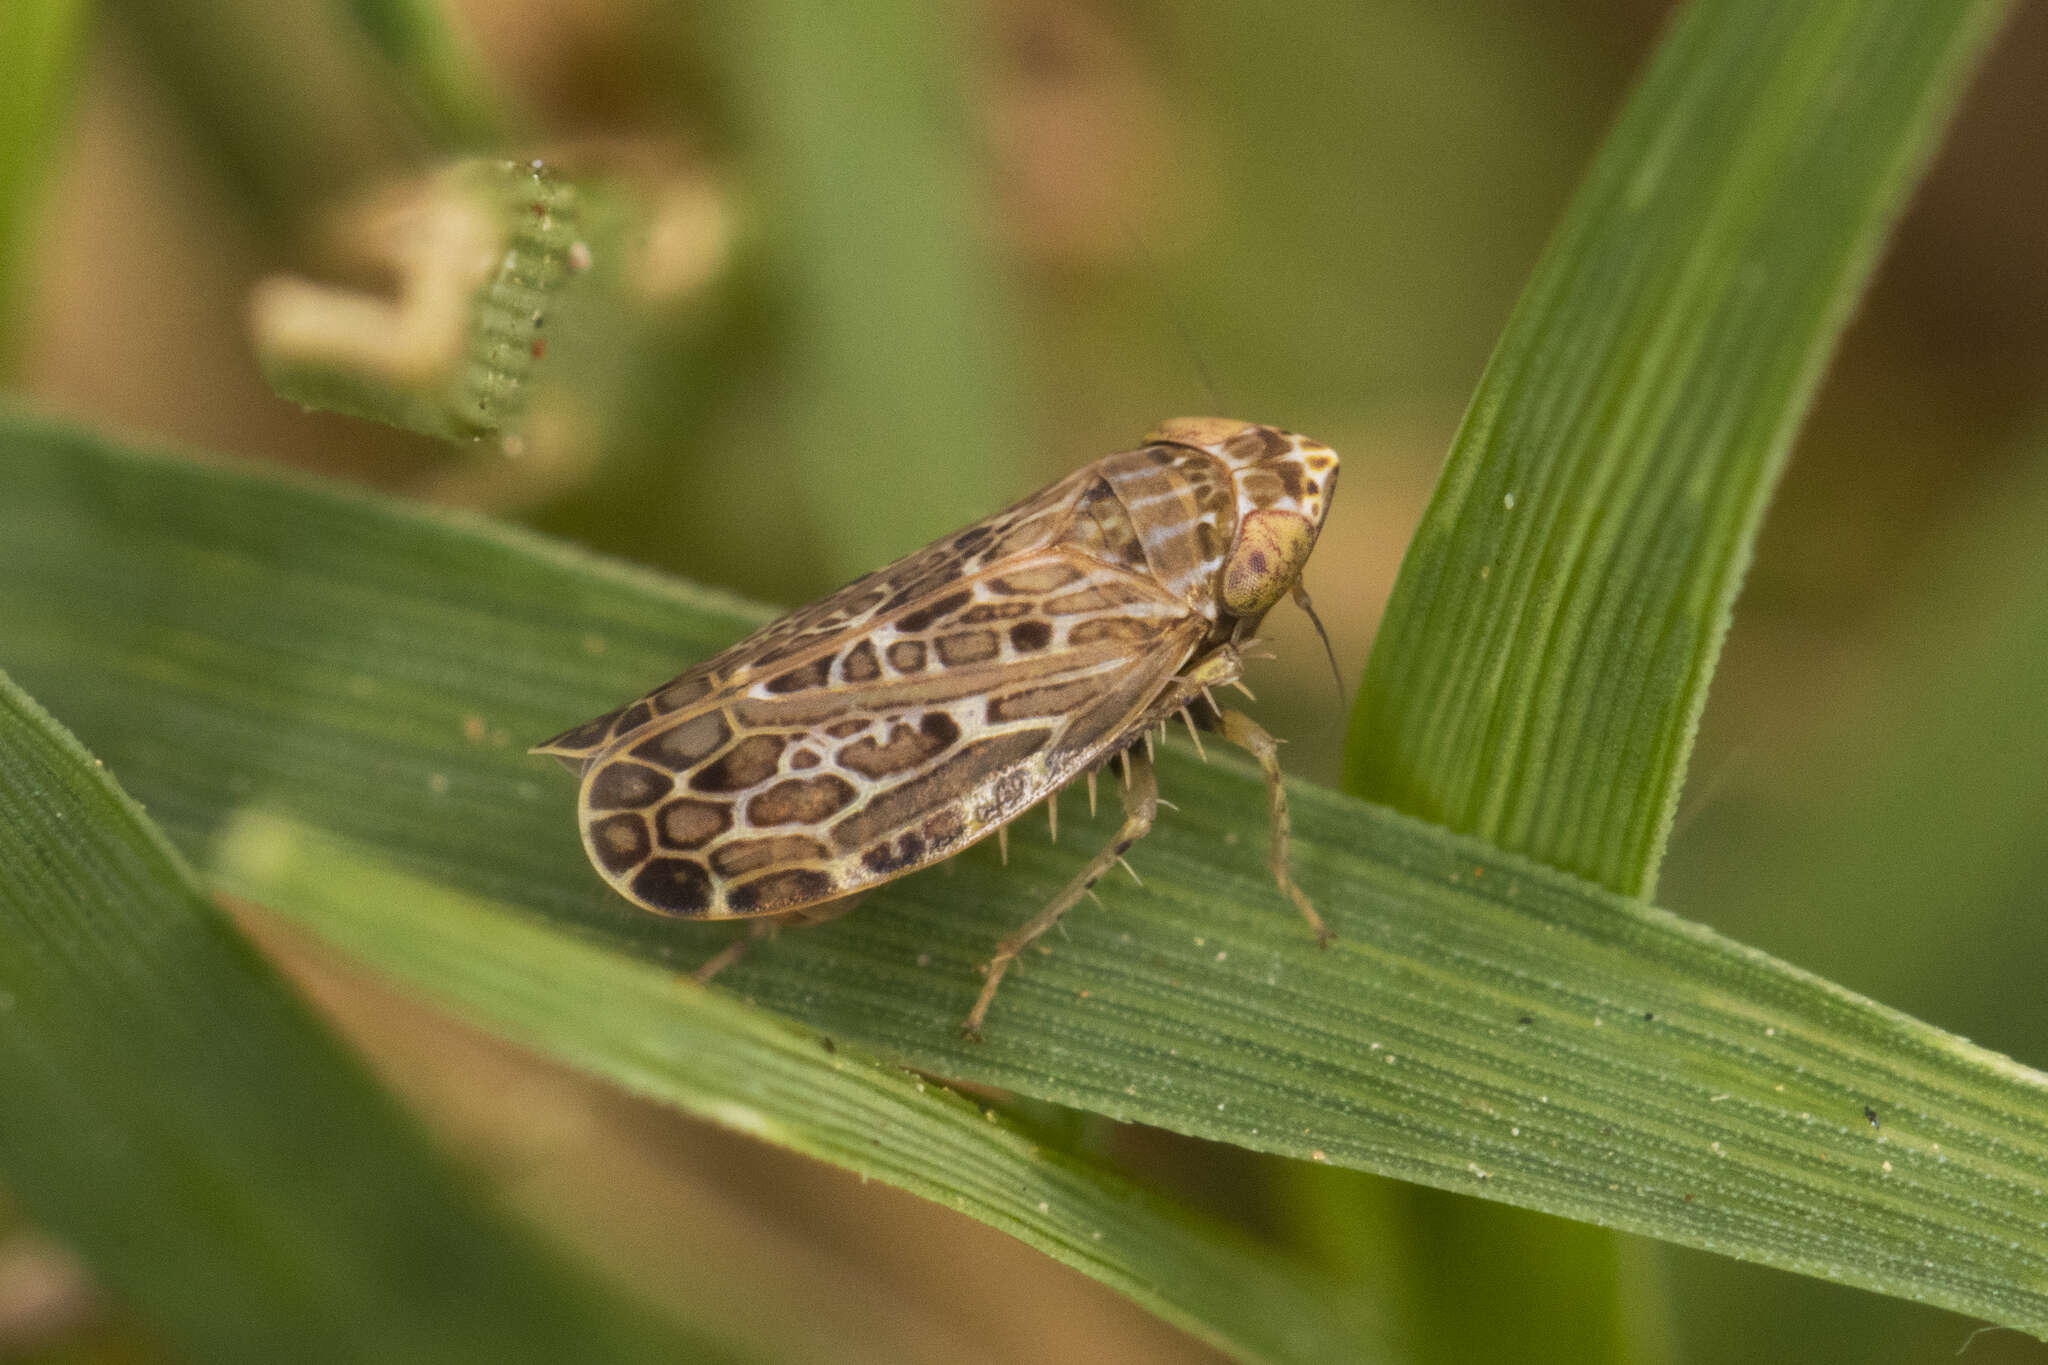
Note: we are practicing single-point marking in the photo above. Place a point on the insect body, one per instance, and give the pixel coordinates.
(925, 706)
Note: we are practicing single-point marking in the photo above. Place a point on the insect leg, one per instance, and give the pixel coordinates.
(1141, 805)
(766, 928)
(733, 951)
(1244, 732)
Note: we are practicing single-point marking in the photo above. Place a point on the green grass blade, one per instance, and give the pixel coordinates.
(435, 60)
(171, 1110)
(40, 38)
(1914, 809)
(1544, 658)
(247, 649)
(864, 171)
(633, 1021)
(275, 96)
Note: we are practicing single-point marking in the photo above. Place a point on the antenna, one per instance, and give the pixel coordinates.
(1174, 317)
(1336, 675)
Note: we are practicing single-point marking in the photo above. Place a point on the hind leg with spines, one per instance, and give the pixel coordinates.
(1248, 735)
(1141, 806)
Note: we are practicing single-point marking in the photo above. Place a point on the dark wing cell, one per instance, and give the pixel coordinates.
(877, 750)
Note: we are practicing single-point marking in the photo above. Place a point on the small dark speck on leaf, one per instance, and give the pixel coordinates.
(1871, 1114)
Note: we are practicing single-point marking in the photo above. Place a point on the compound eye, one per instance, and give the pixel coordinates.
(1271, 548)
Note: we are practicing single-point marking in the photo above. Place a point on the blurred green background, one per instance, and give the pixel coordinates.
(960, 250)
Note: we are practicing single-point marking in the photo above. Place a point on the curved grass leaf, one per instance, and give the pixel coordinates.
(635, 1022)
(1542, 664)
(1546, 652)
(170, 1109)
(246, 649)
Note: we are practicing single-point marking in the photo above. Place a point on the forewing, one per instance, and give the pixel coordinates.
(1027, 527)
(798, 776)
(578, 745)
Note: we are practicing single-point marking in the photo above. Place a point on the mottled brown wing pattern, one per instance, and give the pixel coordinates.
(873, 753)
(1032, 524)
(925, 705)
